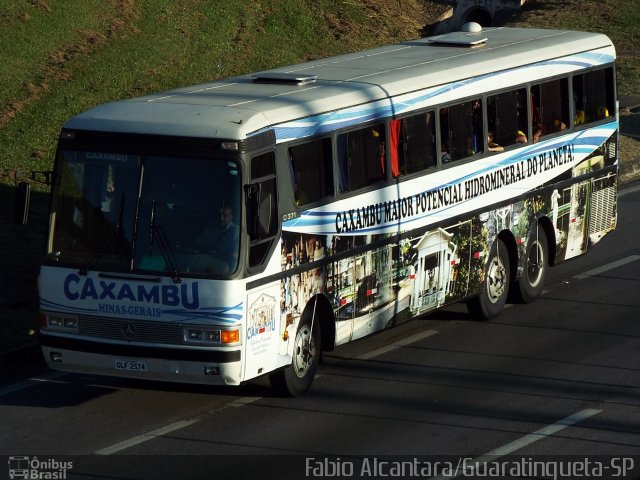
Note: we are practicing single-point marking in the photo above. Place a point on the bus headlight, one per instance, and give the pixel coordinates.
(196, 335)
(63, 323)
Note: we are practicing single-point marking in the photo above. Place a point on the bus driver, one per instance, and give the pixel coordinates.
(219, 244)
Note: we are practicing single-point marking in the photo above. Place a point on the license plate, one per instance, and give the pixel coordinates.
(131, 365)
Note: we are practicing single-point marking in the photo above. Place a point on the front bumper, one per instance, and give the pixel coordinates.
(197, 365)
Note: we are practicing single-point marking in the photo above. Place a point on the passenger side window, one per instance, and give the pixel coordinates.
(311, 171)
(461, 128)
(361, 157)
(593, 96)
(549, 108)
(412, 144)
(507, 118)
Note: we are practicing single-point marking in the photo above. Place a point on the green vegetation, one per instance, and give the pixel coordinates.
(61, 58)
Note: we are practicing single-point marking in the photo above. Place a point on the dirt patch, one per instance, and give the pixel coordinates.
(42, 4)
(556, 13)
(395, 21)
(57, 68)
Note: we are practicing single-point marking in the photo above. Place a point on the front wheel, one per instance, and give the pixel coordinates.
(531, 283)
(491, 300)
(297, 378)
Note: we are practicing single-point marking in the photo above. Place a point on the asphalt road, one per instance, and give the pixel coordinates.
(557, 378)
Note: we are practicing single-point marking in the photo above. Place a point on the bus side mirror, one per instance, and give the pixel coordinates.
(23, 196)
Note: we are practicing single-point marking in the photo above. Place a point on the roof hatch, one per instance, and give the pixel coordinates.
(284, 78)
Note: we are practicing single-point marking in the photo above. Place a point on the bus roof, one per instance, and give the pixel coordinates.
(237, 107)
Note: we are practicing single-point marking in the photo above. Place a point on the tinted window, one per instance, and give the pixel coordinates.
(263, 166)
(593, 96)
(461, 130)
(412, 144)
(311, 171)
(507, 118)
(549, 108)
(361, 157)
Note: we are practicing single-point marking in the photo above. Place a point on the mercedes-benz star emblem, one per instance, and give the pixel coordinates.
(128, 331)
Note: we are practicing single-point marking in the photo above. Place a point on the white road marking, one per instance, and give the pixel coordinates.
(147, 436)
(137, 440)
(397, 344)
(542, 433)
(45, 378)
(607, 267)
(527, 440)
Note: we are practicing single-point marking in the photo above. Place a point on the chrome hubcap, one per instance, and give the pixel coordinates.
(304, 351)
(496, 279)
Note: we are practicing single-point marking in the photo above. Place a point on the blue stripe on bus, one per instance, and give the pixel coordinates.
(585, 142)
(44, 303)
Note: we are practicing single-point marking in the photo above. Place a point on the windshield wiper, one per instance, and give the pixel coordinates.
(163, 243)
(115, 234)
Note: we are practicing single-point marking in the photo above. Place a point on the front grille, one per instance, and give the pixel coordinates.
(131, 330)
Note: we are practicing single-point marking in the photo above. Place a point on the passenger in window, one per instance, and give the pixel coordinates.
(559, 125)
(580, 116)
(603, 112)
(537, 132)
(445, 153)
(536, 124)
(521, 137)
(493, 146)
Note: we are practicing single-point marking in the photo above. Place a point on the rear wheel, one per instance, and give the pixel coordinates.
(297, 378)
(531, 283)
(490, 302)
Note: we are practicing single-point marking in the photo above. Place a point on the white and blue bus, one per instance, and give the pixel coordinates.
(221, 232)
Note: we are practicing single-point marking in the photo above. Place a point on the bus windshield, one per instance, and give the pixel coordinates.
(121, 212)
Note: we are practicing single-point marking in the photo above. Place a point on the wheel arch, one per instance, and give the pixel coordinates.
(545, 223)
(324, 314)
(509, 240)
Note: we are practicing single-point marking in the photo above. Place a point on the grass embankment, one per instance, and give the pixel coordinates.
(61, 58)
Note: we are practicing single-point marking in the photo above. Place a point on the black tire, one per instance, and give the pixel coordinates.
(296, 379)
(531, 283)
(492, 297)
